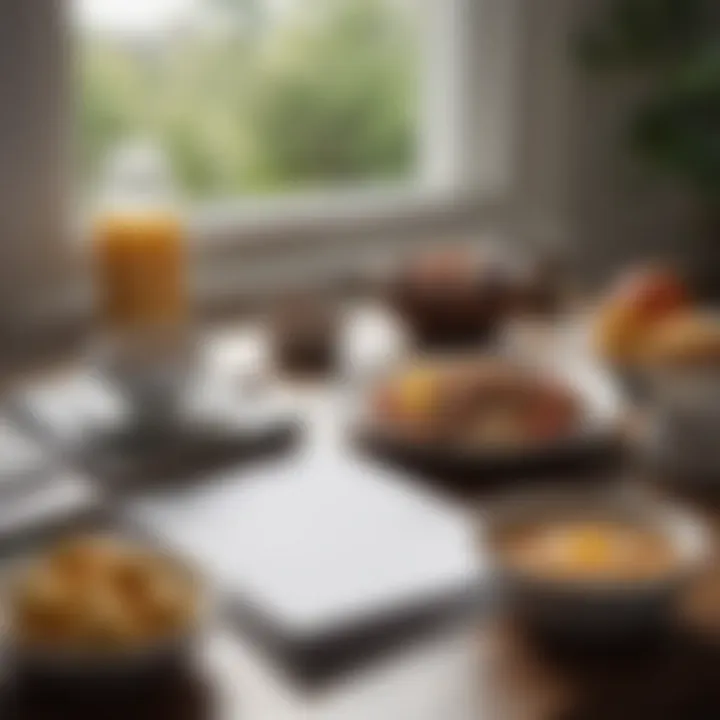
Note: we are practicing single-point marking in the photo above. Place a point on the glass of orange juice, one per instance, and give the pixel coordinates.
(141, 282)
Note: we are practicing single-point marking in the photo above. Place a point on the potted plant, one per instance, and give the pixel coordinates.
(675, 46)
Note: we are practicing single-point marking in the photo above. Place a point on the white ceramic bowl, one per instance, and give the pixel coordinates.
(599, 609)
(681, 442)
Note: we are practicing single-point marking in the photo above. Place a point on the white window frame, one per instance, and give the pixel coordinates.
(466, 140)
(469, 163)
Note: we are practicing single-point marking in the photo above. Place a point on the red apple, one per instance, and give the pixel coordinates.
(652, 293)
(641, 299)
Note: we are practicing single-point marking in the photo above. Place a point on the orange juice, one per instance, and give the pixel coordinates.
(140, 271)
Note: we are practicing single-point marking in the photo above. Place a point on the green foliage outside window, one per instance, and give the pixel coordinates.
(324, 96)
(676, 45)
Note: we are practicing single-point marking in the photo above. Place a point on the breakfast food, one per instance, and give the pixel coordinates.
(589, 551)
(101, 594)
(641, 301)
(684, 340)
(485, 403)
(648, 322)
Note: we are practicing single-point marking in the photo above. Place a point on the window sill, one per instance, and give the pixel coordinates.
(334, 240)
(246, 253)
(265, 226)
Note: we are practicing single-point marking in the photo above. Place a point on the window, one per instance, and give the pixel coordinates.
(252, 97)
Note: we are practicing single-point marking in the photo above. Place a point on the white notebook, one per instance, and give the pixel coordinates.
(322, 547)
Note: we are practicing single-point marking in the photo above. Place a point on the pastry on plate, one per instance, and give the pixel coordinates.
(639, 301)
(685, 340)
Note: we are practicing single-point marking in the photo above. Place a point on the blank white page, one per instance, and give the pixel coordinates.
(323, 546)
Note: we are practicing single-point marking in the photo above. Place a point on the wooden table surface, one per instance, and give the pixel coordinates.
(494, 672)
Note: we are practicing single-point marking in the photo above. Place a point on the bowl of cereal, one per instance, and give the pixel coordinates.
(102, 606)
(594, 563)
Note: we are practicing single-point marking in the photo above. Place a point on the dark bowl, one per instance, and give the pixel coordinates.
(451, 300)
(113, 668)
(593, 445)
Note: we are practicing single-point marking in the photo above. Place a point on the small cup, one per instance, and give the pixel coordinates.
(305, 334)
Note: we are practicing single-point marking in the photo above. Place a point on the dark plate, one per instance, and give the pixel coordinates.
(80, 419)
(597, 444)
(593, 449)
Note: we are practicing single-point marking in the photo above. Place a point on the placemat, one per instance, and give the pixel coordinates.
(37, 494)
(84, 420)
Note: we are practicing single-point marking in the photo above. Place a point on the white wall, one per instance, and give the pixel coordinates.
(31, 123)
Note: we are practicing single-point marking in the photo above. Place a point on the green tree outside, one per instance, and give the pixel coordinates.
(325, 95)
